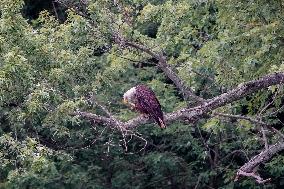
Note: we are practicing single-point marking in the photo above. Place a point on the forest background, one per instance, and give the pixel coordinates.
(215, 65)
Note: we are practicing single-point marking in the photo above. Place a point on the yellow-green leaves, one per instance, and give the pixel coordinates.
(149, 12)
(212, 124)
(10, 7)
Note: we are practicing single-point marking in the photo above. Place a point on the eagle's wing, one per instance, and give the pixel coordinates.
(149, 104)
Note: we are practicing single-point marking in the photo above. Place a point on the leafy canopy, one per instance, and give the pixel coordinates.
(51, 68)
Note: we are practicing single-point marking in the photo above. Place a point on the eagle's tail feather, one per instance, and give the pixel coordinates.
(161, 123)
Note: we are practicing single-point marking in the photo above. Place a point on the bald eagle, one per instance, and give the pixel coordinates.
(144, 100)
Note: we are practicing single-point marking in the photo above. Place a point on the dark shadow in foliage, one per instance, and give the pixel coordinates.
(32, 9)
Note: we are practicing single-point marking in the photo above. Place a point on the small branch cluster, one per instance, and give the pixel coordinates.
(248, 169)
(253, 120)
(109, 121)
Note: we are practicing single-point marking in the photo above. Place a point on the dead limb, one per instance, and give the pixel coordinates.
(239, 92)
(248, 169)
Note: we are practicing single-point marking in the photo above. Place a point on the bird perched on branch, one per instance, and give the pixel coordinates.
(144, 100)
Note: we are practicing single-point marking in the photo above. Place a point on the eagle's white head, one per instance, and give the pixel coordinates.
(128, 96)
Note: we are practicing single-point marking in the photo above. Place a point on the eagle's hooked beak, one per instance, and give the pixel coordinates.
(128, 103)
(125, 101)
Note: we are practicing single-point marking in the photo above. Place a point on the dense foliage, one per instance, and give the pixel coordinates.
(51, 68)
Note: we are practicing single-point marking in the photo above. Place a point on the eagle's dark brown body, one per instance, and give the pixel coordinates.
(145, 101)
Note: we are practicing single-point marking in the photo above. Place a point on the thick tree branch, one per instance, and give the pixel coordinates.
(120, 40)
(248, 168)
(242, 90)
(253, 175)
(187, 92)
(189, 113)
(142, 48)
(95, 117)
(164, 66)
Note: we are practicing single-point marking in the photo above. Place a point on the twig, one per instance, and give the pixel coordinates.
(146, 142)
(92, 100)
(264, 138)
(96, 139)
(55, 11)
(274, 112)
(198, 181)
(253, 120)
(207, 147)
(123, 138)
(203, 75)
(137, 61)
(235, 152)
(265, 107)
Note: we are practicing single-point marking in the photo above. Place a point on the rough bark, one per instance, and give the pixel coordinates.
(248, 169)
(165, 67)
(239, 92)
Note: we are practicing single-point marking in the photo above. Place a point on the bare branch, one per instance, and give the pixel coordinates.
(54, 9)
(95, 117)
(265, 107)
(187, 92)
(143, 49)
(248, 168)
(92, 100)
(274, 112)
(254, 175)
(264, 137)
(239, 92)
(276, 131)
(253, 120)
(240, 117)
(121, 41)
(198, 181)
(202, 75)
